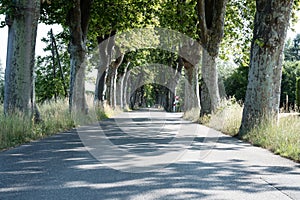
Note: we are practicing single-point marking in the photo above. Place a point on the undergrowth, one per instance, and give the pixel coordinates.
(18, 129)
(282, 138)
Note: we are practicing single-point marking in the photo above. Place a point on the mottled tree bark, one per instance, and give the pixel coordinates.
(126, 90)
(19, 83)
(204, 99)
(191, 57)
(191, 99)
(111, 81)
(211, 16)
(264, 78)
(210, 87)
(78, 20)
(123, 87)
(105, 45)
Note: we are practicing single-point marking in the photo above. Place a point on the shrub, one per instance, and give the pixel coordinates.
(298, 92)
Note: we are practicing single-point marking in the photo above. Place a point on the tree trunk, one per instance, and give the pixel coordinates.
(211, 16)
(135, 89)
(222, 90)
(264, 78)
(78, 24)
(19, 83)
(192, 99)
(112, 81)
(123, 87)
(126, 90)
(118, 90)
(105, 46)
(210, 83)
(204, 99)
(173, 82)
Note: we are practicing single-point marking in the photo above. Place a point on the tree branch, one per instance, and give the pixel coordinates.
(202, 28)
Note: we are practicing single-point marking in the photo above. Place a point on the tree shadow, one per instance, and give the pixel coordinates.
(60, 167)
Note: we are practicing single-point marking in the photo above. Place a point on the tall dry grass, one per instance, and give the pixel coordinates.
(282, 138)
(18, 129)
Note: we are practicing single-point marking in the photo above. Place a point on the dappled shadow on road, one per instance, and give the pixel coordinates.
(60, 167)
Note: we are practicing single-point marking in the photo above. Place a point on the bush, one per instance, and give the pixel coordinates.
(290, 72)
(236, 83)
(298, 93)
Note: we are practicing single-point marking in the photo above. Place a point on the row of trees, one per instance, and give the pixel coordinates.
(95, 23)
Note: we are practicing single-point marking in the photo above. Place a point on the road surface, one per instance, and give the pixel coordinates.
(145, 154)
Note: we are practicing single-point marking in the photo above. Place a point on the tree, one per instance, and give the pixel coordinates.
(264, 79)
(298, 92)
(22, 20)
(78, 21)
(238, 31)
(180, 15)
(211, 16)
(1, 83)
(75, 16)
(113, 17)
(53, 71)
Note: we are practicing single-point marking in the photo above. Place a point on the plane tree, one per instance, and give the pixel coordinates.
(22, 21)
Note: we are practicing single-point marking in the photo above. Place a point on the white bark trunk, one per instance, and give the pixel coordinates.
(105, 46)
(209, 74)
(20, 57)
(264, 79)
(78, 25)
(191, 99)
(126, 90)
(122, 89)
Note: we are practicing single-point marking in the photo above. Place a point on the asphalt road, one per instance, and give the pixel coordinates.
(145, 154)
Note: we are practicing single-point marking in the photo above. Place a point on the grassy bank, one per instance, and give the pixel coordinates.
(282, 139)
(19, 129)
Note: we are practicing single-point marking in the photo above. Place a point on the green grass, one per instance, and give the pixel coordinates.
(18, 129)
(282, 139)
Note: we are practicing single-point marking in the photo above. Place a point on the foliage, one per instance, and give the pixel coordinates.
(291, 70)
(179, 15)
(295, 14)
(118, 15)
(292, 49)
(238, 31)
(298, 92)
(1, 83)
(49, 83)
(6, 8)
(55, 12)
(236, 83)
